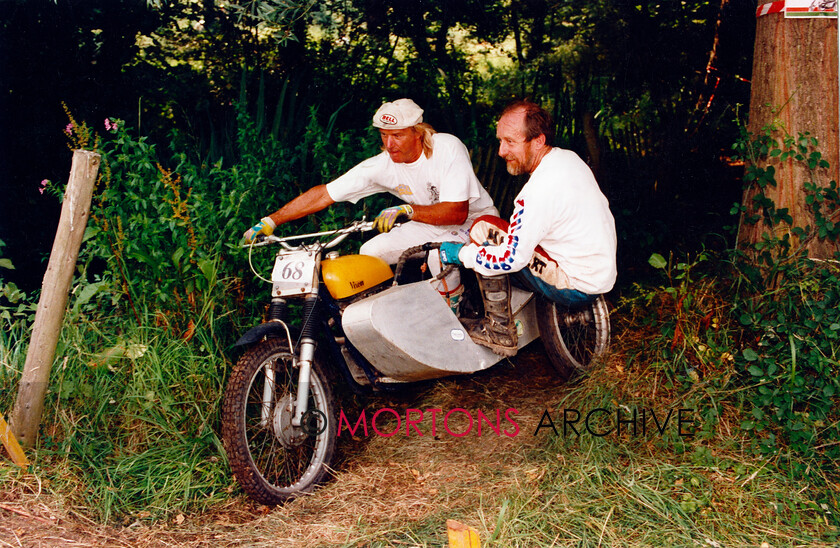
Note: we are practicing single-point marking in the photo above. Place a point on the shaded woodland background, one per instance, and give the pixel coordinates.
(223, 110)
(647, 92)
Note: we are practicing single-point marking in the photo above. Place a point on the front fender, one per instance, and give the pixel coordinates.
(256, 334)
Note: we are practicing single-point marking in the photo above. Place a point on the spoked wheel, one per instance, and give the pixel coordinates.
(573, 339)
(272, 459)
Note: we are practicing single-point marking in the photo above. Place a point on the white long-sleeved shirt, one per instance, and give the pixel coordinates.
(561, 208)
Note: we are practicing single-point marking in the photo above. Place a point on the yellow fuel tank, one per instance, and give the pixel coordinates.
(351, 274)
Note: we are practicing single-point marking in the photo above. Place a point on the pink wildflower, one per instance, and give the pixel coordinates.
(69, 129)
(112, 125)
(43, 186)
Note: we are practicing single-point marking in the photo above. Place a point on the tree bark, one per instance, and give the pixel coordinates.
(795, 86)
(590, 134)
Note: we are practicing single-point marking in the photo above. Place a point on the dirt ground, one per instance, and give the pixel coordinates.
(380, 483)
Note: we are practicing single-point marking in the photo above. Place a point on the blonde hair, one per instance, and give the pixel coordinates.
(427, 131)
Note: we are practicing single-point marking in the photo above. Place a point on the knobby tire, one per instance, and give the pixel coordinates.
(270, 459)
(574, 339)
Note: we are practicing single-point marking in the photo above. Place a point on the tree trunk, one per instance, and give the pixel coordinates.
(794, 84)
(590, 134)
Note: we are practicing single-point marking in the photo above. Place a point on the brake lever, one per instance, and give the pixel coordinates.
(260, 241)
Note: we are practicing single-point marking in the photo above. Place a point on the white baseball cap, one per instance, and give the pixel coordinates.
(400, 114)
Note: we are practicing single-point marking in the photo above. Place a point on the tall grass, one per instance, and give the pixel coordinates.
(130, 424)
(13, 345)
(659, 491)
(161, 294)
(16, 314)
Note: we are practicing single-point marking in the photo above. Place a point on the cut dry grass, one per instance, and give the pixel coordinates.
(525, 490)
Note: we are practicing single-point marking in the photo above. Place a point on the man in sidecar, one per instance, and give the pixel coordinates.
(560, 242)
(431, 172)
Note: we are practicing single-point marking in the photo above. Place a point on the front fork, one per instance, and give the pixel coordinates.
(306, 354)
(303, 361)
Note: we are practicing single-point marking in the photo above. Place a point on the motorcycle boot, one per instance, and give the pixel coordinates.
(497, 330)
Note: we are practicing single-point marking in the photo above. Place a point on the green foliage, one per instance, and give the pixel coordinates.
(792, 357)
(166, 225)
(17, 310)
(790, 308)
(161, 293)
(130, 420)
(760, 153)
(772, 355)
(687, 331)
(762, 328)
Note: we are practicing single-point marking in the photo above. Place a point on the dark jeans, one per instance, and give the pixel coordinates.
(571, 298)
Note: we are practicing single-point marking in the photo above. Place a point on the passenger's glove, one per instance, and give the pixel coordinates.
(265, 226)
(449, 253)
(389, 216)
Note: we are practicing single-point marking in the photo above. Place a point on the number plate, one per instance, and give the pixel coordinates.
(293, 274)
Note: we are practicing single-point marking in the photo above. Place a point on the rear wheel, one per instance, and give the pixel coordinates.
(272, 459)
(574, 339)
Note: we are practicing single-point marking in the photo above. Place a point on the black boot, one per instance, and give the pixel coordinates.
(496, 330)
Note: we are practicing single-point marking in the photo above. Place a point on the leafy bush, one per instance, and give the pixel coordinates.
(790, 309)
(792, 356)
(162, 292)
(166, 225)
(760, 326)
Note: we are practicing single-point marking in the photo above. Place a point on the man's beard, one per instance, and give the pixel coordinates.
(514, 168)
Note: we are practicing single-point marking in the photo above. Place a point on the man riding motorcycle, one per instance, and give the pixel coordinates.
(431, 172)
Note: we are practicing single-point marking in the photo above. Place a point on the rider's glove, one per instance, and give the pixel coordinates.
(265, 226)
(389, 216)
(449, 253)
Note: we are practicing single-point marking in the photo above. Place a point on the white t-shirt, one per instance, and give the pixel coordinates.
(562, 209)
(447, 176)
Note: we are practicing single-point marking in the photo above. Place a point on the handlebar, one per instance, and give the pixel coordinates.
(340, 235)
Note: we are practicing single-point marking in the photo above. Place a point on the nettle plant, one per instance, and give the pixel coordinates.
(789, 308)
(167, 223)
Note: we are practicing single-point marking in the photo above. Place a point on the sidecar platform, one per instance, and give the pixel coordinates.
(409, 333)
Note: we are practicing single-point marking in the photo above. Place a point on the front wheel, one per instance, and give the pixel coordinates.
(272, 459)
(573, 339)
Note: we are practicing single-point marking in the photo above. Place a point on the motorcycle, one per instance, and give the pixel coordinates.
(279, 422)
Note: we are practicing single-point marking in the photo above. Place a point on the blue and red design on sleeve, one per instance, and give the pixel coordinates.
(504, 262)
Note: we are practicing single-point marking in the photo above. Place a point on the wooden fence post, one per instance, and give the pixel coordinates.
(26, 416)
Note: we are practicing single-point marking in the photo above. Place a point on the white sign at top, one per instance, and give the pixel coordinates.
(811, 8)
